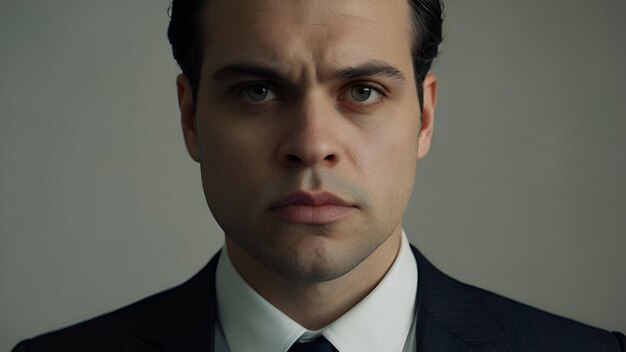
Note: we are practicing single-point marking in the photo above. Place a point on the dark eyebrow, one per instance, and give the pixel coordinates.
(367, 69)
(374, 68)
(235, 71)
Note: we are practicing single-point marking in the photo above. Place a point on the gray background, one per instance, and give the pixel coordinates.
(523, 192)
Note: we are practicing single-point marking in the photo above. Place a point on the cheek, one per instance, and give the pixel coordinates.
(391, 159)
(231, 161)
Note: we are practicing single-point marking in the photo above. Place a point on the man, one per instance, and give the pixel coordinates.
(308, 119)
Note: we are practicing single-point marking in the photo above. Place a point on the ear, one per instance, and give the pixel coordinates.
(187, 116)
(428, 115)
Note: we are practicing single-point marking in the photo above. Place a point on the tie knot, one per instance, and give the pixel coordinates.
(318, 345)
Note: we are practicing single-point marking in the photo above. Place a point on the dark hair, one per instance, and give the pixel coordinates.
(186, 37)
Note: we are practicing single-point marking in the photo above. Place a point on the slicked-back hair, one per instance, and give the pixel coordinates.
(186, 35)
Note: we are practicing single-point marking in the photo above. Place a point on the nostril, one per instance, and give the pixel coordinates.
(295, 159)
(292, 159)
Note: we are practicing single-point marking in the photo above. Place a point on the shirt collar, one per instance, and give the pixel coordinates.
(380, 322)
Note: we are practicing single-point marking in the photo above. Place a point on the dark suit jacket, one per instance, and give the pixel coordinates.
(451, 316)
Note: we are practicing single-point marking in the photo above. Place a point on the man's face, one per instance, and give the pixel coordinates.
(307, 97)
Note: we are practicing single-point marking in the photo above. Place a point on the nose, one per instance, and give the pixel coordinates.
(311, 137)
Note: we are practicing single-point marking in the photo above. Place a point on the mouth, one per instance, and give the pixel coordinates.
(313, 209)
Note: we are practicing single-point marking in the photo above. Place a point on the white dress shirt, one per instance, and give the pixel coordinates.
(380, 322)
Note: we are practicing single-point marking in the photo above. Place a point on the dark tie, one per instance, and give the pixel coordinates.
(318, 345)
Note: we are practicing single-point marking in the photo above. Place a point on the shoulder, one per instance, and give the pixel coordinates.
(153, 321)
(534, 329)
(477, 316)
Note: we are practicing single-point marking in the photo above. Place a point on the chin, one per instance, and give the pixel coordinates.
(314, 258)
(315, 271)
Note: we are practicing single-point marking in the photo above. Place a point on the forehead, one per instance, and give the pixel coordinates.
(319, 33)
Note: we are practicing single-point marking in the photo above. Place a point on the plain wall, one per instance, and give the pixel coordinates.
(523, 193)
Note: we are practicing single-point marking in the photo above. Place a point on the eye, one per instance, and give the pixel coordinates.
(257, 93)
(364, 94)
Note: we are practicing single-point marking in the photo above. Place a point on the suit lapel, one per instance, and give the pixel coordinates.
(200, 339)
(450, 317)
(201, 330)
(190, 318)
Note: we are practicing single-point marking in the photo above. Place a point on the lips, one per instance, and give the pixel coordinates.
(306, 208)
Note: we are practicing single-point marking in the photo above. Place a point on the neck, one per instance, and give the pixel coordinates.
(315, 305)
